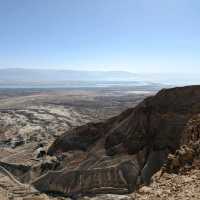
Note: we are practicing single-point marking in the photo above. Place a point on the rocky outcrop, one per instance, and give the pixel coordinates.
(119, 177)
(158, 122)
(135, 143)
(172, 186)
(80, 138)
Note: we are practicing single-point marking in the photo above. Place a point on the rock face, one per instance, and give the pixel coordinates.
(118, 177)
(148, 132)
(157, 122)
(125, 151)
(77, 139)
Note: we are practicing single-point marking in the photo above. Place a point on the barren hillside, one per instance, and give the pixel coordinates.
(115, 158)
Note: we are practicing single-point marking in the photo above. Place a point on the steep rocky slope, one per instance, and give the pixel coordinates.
(157, 122)
(146, 134)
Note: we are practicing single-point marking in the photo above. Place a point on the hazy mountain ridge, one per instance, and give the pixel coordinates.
(21, 74)
(53, 77)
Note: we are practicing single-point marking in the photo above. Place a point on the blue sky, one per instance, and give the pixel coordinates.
(131, 35)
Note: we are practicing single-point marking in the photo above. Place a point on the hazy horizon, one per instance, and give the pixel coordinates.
(92, 70)
(22, 77)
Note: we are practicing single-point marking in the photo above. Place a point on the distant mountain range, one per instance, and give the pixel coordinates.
(19, 76)
(63, 75)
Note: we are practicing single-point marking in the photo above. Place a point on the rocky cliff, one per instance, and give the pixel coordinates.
(157, 122)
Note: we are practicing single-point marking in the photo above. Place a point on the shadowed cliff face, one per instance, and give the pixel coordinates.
(148, 132)
(157, 122)
(80, 138)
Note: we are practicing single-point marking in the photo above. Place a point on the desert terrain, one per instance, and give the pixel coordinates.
(111, 143)
(29, 117)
